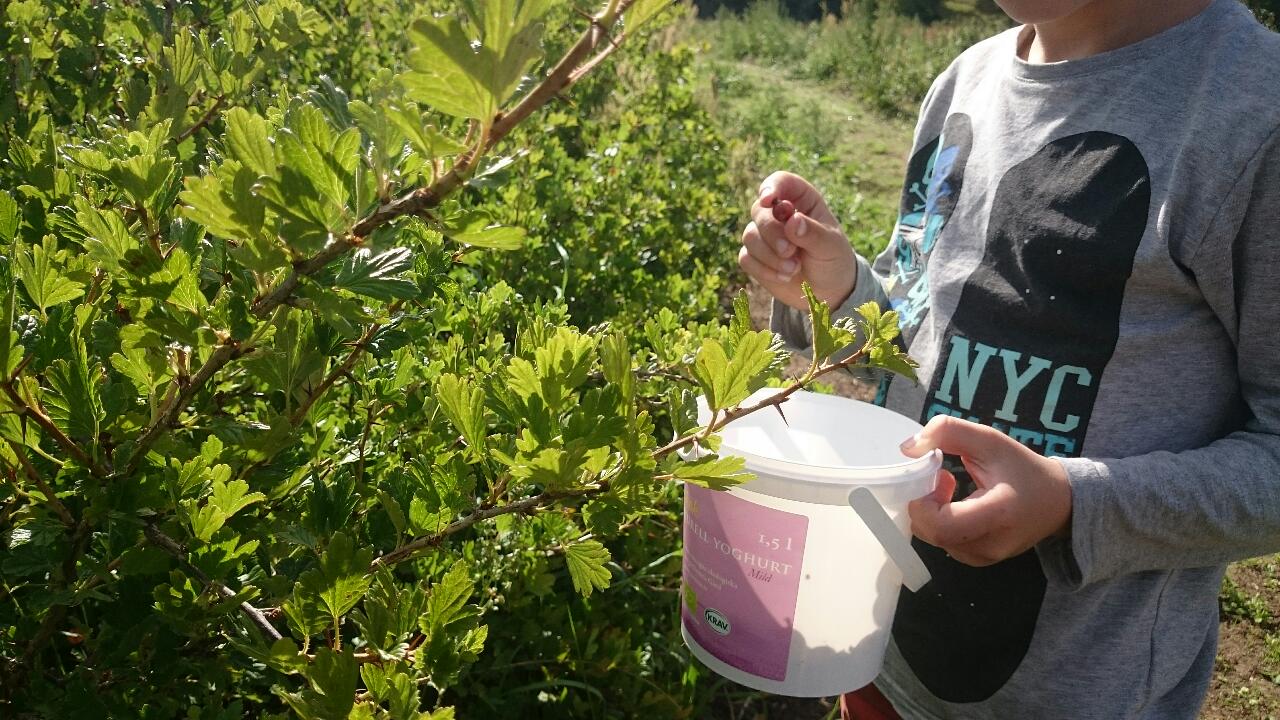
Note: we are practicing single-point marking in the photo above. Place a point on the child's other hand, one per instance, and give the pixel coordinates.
(1022, 497)
(807, 247)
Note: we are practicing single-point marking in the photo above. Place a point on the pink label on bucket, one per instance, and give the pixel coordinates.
(742, 561)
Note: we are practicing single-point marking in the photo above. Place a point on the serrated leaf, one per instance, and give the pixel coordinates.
(445, 68)
(340, 580)
(826, 338)
(463, 404)
(494, 237)
(586, 561)
(147, 371)
(77, 403)
(447, 603)
(390, 611)
(44, 282)
(740, 324)
(248, 140)
(710, 369)
(642, 11)
(225, 500)
(9, 217)
(425, 139)
(333, 678)
(615, 361)
(754, 353)
(10, 350)
(716, 473)
(377, 276)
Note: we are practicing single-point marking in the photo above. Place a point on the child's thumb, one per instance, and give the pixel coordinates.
(820, 241)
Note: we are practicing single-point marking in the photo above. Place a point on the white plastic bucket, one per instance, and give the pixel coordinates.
(793, 591)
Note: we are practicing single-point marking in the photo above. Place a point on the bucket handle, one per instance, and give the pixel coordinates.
(914, 573)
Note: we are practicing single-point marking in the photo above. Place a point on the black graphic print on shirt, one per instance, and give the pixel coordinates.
(1035, 326)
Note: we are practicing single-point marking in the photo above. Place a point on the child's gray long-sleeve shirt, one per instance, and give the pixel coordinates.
(1088, 258)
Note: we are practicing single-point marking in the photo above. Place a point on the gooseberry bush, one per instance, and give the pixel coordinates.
(296, 418)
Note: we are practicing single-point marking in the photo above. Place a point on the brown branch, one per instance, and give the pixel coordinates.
(527, 505)
(586, 67)
(171, 546)
(532, 503)
(168, 415)
(341, 369)
(63, 514)
(772, 401)
(414, 202)
(52, 429)
(203, 121)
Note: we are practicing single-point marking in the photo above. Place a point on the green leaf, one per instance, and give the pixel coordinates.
(425, 139)
(642, 11)
(727, 382)
(44, 283)
(76, 404)
(740, 324)
(248, 141)
(333, 678)
(882, 350)
(225, 500)
(463, 404)
(615, 360)
(146, 370)
(390, 611)
(586, 561)
(447, 606)
(717, 473)
(495, 237)
(9, 217)
(710, 369)
(291, 364)
(10, 350)
(376, 276)
(107, 238)
(826, 338)
(283, 655)
(754, 353)
(445, 68)
(340, 580)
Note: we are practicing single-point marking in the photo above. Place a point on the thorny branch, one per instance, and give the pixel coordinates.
(535, 502)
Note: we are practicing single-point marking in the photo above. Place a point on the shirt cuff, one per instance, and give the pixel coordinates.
(1074, 561)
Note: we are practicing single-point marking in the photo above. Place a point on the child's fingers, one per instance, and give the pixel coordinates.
(789, 186)
(972, 441)
(773, 280)
(952, 524)
(819, 241)
(760, 250)
(771, 231)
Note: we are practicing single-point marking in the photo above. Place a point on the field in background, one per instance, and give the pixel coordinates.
(835, 101)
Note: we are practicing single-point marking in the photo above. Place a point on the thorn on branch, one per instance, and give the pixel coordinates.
(158, 538)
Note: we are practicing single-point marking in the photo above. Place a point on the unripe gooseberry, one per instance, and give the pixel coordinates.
(783, 210)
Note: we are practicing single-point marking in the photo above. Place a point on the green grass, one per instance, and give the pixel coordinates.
(833, 101)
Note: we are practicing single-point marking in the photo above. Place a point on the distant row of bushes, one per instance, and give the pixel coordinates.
(924, 10)
(885, 57)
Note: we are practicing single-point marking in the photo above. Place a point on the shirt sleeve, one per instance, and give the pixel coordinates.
(1215, 504)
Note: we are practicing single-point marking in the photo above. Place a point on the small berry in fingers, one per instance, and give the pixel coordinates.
(783, 210)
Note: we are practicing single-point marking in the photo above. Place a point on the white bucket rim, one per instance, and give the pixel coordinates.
(849, 476)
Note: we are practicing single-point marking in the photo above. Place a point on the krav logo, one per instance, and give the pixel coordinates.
(717, 621)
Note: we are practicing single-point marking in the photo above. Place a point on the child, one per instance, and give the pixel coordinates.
(1087, 268)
